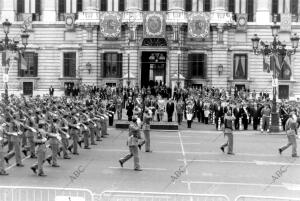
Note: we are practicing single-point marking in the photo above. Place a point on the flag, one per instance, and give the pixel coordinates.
(274, 63)
(266, 63)
(23, 62)
(286, 65)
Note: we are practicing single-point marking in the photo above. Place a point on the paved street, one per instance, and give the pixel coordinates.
(207, 169)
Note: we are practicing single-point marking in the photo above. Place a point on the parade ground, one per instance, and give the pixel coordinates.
(184, 161)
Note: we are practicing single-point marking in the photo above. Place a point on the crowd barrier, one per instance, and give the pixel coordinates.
(23, 193)
(264, 198)
(153, 196)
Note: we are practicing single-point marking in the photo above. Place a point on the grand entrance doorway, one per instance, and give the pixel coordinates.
(153, 70)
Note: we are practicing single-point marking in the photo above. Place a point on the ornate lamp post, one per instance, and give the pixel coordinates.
(275, 48)
(10, 45)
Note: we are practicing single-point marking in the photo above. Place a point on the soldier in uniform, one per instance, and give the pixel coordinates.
(16, 136)
(291, 130)
(133, 142)
(146, 128)
(54, 143)
(179, 110)
(2, 164)
(119, 107)
(266, 113)
(40, 140)
(228, 127)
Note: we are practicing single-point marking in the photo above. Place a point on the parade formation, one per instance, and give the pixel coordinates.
(32, 125)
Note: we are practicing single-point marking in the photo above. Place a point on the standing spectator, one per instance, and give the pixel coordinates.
(266, 113)
(129, 108)
(170, 109)
(179, 110)
(51, 91)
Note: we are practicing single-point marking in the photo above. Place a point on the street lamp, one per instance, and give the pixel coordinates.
(10, 45)
(275, 48)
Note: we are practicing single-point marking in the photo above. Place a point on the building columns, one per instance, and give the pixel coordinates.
(48, 11)
(262, 12)
(8, 10)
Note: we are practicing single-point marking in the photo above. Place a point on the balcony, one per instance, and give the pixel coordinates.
(28, 17)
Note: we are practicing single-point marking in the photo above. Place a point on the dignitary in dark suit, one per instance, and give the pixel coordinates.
(129, 108)
(219, 114)
(180, 110)
(112, 108)
(170, 109)
(237, 113)
(254, 111)
(51, 91)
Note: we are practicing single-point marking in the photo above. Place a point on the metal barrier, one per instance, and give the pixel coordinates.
(23, 193)
(153, 196)
(264, 198)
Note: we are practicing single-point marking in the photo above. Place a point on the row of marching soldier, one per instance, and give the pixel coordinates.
(53, 125)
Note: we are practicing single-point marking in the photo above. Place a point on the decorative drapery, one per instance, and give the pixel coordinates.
(154, 25)
(241, 20)
(110, 24)
(198, 25)
(286, 22)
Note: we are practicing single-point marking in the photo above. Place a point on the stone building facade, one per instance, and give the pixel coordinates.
(66, 47)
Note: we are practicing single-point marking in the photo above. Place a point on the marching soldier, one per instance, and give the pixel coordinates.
(146, 128)
(291, 130)
(54, 143)
(133, 142)
(15, 135)
(228, 127)
(40, 140)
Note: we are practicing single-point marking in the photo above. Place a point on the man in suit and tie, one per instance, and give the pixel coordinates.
(219, 113)
(170, 109)
(51, 91)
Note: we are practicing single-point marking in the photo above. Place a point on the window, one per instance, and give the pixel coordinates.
(38, 6)
(197, 65)
(20, 6)
(145, 5)
(250, 10)
(112, 65)
(103, 5)
(188, 5)
(121, 5)
(240, 66)
(61, 6)
(69, 64)
(275, 9)
(231, 6)
(30, 63)
(294, 10)
(206, 6)
(79, 5)
(164, 5)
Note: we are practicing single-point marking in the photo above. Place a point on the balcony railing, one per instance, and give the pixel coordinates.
(28, 16)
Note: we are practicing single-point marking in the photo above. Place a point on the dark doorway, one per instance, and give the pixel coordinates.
(153, 70)
(240, 87)
(27, 88)
(283, 91)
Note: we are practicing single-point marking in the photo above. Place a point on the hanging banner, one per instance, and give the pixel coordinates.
(154, 25)
(286, 22)
(198, 25)
(110, 24)
(241, 20)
